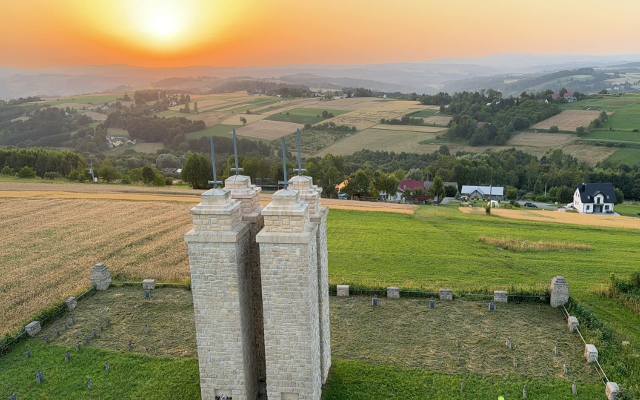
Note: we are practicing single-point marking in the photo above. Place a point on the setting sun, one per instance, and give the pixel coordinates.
(162, 21)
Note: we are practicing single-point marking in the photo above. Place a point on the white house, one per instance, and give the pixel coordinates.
(594, 198)
(483, 192)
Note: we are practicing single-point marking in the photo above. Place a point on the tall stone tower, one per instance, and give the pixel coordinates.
(219, 256)
(288, 257)
(310, 194)
(248, 196)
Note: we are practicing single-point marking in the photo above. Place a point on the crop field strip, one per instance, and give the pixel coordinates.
(49, 257)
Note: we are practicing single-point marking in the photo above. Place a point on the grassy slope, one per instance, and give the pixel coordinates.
(304, 115)
(131, 377)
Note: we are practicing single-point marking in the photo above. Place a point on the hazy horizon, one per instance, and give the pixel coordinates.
(36, 34)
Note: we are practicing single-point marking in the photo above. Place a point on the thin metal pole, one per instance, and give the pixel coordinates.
(284, 163)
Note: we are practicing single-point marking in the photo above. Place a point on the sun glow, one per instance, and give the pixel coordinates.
(164, 21)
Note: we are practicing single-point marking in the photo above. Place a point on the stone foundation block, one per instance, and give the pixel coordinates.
(393, 293)
(149, 284)
(446, 294)
(33, 328)
(500, 296)
(559, 290)
(612, 391)
(71, 303)
(572, 323)
(590, 353)
(343, 291)
(100, 277)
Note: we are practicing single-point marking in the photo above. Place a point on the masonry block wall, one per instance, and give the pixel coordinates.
(310, 194)
(219, 255)
(248, 195)
(288, 257)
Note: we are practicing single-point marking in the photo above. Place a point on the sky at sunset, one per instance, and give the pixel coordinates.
(175, 33)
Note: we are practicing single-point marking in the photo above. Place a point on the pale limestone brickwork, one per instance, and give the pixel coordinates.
(559, 291)
(612, 390)
(446, 294)
(342, 290)
(310, 194)
(393, 292)
(500, 296)
(572, 323)
(100, 277)
(219, 246)
(33, 328)
(288, 258)
(249, 197)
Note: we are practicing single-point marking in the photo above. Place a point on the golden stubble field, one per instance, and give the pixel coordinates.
(49, 246)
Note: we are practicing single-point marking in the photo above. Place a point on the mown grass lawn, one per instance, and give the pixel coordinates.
(441, 247)
(131, 376)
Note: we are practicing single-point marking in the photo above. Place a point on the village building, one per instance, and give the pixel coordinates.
(594, 198)
(483, 192)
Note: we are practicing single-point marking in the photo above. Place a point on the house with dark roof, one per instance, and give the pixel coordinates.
(594, 198)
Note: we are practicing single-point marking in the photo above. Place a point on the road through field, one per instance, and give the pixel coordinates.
(74, 191)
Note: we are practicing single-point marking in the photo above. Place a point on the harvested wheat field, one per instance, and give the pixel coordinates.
(368, 114)
(268, 130)
(569, 120)
(599, 221)
(437, 120)
(48, 247)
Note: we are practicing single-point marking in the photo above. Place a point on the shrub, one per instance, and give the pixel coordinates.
(51, 175)
(26, 172)
(554, 129)
(7, 170)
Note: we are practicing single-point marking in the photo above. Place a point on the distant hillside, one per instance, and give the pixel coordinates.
(585, 80)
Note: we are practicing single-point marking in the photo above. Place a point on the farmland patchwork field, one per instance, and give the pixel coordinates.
(569, 120)
(49, 256)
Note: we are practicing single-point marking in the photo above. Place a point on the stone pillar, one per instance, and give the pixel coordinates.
(559, 290)
(218, 248)
(310, 194)
(100, 277)
(393, 293)
(288, 258)
(249, 197)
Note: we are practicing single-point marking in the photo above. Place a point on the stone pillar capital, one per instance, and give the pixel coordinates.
(217, 211)
(246, 193)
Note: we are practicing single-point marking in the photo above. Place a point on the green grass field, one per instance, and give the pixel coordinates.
(216, 130)
(87, 99)
(437, 247)
(626, 109)
(614, 136)
(629, 156)
(424, 113)
(249, 104)
(131, 376)
(629, 209)
(305, 115)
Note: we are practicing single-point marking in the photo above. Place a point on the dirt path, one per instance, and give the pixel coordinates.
(602, 221)
(180, 195)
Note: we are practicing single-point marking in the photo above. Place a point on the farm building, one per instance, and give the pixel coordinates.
(594, 198)
(483, 192)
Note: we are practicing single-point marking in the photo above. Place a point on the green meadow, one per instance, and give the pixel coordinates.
(625, 109)
(381, 354)
(305, 115)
